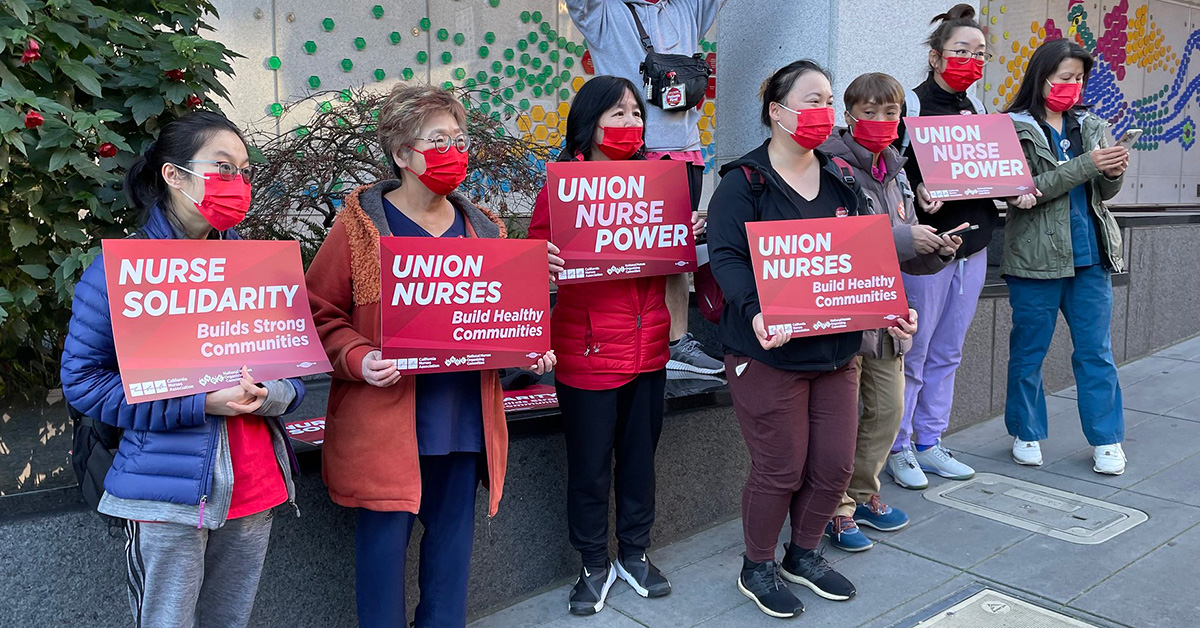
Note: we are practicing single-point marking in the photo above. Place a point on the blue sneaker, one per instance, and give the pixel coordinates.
(879, 515)
(844, 534)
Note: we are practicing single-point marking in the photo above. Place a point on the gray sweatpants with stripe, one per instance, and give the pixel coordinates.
(184, 577)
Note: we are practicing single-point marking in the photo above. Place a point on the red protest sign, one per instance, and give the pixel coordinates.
(827, 275)
(188, 314)
(616, 219)
(463, 304)
(975, 156)
(535, 397)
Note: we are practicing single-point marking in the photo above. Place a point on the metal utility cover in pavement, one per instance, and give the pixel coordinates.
(1058, 514)
(991, 609)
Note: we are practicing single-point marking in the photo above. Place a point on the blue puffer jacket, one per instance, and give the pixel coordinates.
(168, 449)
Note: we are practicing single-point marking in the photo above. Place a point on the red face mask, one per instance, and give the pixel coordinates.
(875, 135)
(225, 203)
(960, 74)
(444, 172)
(620, 142)
(813, 126)
(1063, 96)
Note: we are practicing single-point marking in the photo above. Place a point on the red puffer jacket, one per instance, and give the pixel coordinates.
(605, 333)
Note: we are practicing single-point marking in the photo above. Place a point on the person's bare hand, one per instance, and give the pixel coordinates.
(556, 262)
(379, 372)
(926, 202)
(925, 239)
(1025, 201)
(244, 398)
(699, 225)
(1111, 159)
(767, 340)
(904, 329)
(545, 363)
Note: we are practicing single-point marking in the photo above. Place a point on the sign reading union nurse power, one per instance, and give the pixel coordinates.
(969, 156)
(463, 304)
(188, 314)
(826, 275)
(617, 219)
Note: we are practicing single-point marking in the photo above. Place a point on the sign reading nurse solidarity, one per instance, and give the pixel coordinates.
(975, 156)
(826, 275)
(615, 219)
(463, 304)
(188, 314)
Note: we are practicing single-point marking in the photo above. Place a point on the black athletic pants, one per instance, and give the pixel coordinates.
(598, 423)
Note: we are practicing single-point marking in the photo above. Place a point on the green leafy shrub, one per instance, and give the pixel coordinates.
(84, 87)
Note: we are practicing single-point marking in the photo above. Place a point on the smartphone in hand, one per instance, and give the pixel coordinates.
(1129, 138)
(958, 232)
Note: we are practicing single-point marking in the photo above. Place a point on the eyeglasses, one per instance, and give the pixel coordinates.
(442, 143)
(227, 171)
(963, 54)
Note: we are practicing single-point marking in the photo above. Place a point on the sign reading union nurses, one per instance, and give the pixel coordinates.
(969, 156)
(188, 314)
(463, 304)
(615, 219)
(827, 275)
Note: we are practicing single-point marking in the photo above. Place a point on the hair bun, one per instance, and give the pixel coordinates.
(149, 149)
(961, 11)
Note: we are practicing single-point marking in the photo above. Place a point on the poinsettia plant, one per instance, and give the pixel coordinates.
(84, 87)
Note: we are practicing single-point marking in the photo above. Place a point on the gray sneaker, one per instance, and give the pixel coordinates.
(939, 460)
(903, 468)
(688, 355)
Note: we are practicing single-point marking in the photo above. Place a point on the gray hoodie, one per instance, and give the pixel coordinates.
(674, 26)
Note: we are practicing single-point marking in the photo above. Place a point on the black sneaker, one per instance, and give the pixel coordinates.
(643, 576)
(587, 598)
(760, 582)
(813, 571)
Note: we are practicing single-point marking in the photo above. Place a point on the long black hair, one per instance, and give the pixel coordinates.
(959, 16)
(776, 88)
(598, 95)
(178, 142)
(1043, 65)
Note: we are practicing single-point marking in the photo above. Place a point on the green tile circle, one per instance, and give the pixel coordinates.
(497, 67)
(425, 23)
(494, 3)
(460, 73)
(494, 82)
(523, 45)
(564, 94)
(314, 82)
(565, 76)
(568, 62)
(481, 76)
(443, 34)
(520, 86)
(562, 41)
(537, 91)
(543, 46)
(447, 86)
(571, 47)
(360, 43)
(533, 37)
(345, 95)
(276, 109)
(347, 65)
(509, 54)
(459, 39)
(310, 47)
(485, 107)
(508, 92)
(274, 63)
(470, 83)
(327, 24)
(537, 17)
(496, 100)
(302, 131)
(544, 27)
(447, 57)
(557, 82)
(525, 17)
(522, 72)
(484, 52)
(422, 57)
(380, 74)
(552, 35)
(489, 37)
(536, 62)
(326, 107)
(407, 74)
(525, 58)
(394, 37)
(510, 71)
(377, 11)
(524, 104)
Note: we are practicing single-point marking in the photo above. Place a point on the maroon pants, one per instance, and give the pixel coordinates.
(800, 428)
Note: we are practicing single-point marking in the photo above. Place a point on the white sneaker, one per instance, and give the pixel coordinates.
(903, 468)
(939, 460)
(1109, 459)
(1027, 452)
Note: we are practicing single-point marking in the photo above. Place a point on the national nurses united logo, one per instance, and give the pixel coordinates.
(842, 212)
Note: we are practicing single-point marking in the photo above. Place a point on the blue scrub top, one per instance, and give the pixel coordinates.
(1084, 242)
(449, 405)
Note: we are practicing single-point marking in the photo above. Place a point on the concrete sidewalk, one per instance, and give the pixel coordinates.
(1146, 577)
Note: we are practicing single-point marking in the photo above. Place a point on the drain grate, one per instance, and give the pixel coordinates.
(1058, 514)
(992, 609)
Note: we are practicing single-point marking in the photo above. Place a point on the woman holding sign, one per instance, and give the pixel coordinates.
(1060, 246)
(395, 445)
(611, 337)
(796, 400)
(946, 300)
(196, 477)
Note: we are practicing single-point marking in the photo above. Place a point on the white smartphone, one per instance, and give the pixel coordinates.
(1129, 138)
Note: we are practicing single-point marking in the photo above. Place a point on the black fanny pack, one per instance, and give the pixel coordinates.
(671, 82)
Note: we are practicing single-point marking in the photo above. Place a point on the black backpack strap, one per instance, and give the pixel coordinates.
(646, 43)
(842, 168)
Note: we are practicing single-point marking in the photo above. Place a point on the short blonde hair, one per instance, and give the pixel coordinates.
(406, 111)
